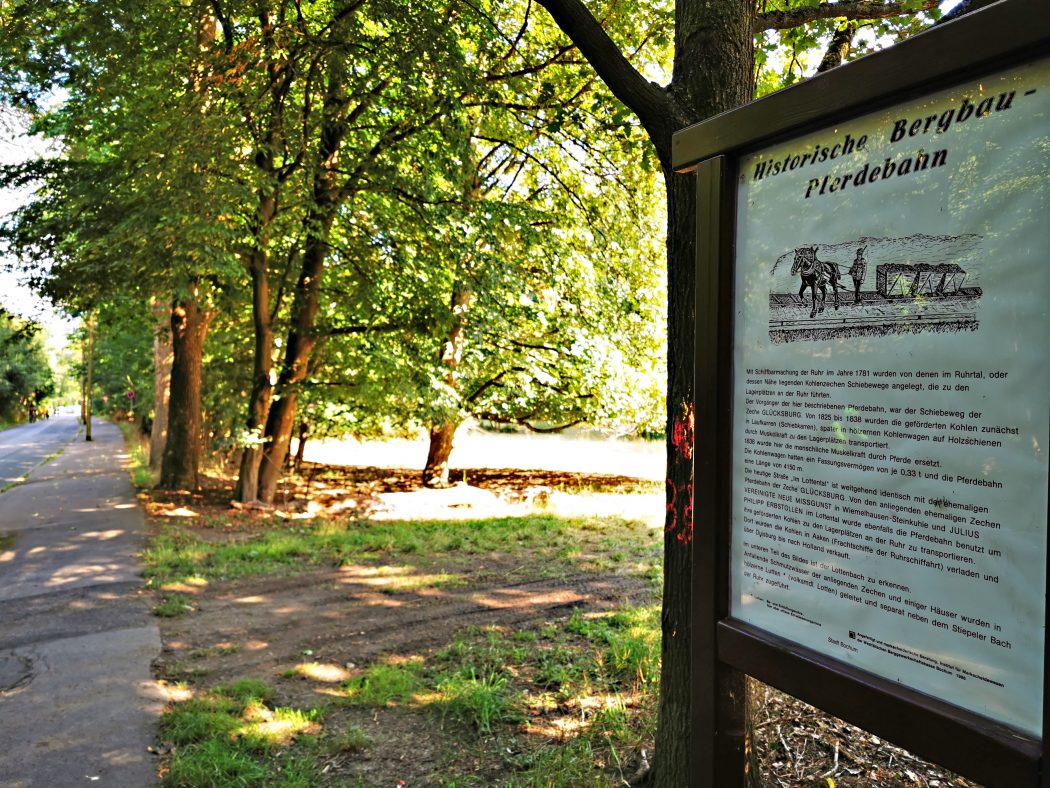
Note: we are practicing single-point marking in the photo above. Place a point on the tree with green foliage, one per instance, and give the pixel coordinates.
(258, 143)
(133, 202)
(550, 262)
(123, 369)
(721, 55)
(26, 379)
(496, 282)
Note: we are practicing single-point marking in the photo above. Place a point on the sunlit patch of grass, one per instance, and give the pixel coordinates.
(629, 641)
(385, 684)
(138, 451)
(586, 686)
(172, 606)
(176, 555)
(213, 762)
(267, 730)
(200, 719)
(231, 737)
(479, 701)
(186, 585)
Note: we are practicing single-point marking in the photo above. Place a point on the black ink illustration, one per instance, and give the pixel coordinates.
(856, 273)
(815, 274)
(918, 286)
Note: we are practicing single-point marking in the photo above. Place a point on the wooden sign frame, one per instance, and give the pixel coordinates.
(1007, 33)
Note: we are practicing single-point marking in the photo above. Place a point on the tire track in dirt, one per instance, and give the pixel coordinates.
(356, 614)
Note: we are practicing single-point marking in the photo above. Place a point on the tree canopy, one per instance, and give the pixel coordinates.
(340, 187)
(26, 378)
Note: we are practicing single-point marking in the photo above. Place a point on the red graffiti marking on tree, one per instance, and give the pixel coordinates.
(682, 440)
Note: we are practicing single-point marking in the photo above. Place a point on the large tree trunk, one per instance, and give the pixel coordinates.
(435, 472)
(326, 198)
(262, 389)
(180, 460)
(713, 72)
(298, 348)
(89, 365)
(162, 358)
(182, 451)
(281, 76)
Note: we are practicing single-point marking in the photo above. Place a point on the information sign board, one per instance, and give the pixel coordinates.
(872, 401)
(891, 392)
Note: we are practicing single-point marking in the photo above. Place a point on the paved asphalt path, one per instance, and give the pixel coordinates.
(77, 703)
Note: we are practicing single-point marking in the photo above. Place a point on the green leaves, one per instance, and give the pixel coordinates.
(25, 375)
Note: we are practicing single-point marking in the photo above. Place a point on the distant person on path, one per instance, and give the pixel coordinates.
(857, 271)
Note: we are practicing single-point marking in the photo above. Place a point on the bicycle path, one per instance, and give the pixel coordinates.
(78, 705)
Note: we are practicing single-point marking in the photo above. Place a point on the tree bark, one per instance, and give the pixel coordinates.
(261, 397)
(839, 47)
(713, 72)
(182, 450)
(300, 446)
(281, 77)
(298, 348)
(326, 199)
(713, 68)
(435, 472)
(162, 357)
(89, 364)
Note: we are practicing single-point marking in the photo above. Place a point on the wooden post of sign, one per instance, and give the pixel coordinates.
(719, 709)
(1044, 762)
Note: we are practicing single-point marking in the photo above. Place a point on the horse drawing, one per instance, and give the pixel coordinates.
(815, 275)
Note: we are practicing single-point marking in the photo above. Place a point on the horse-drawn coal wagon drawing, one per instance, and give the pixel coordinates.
(919, 285)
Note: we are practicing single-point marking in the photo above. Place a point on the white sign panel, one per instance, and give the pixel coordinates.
(892, 391)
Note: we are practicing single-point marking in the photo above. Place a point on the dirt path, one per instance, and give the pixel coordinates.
(354, 614)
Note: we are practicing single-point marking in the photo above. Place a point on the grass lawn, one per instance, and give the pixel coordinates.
(507, 683)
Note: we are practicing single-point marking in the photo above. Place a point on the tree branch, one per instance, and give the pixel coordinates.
(839, 47)
(227, 28)
(646, 99)
(849, 9)
(533, 69)
(542, 165)
(496, 381)
(342, 331)
(542, 430)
